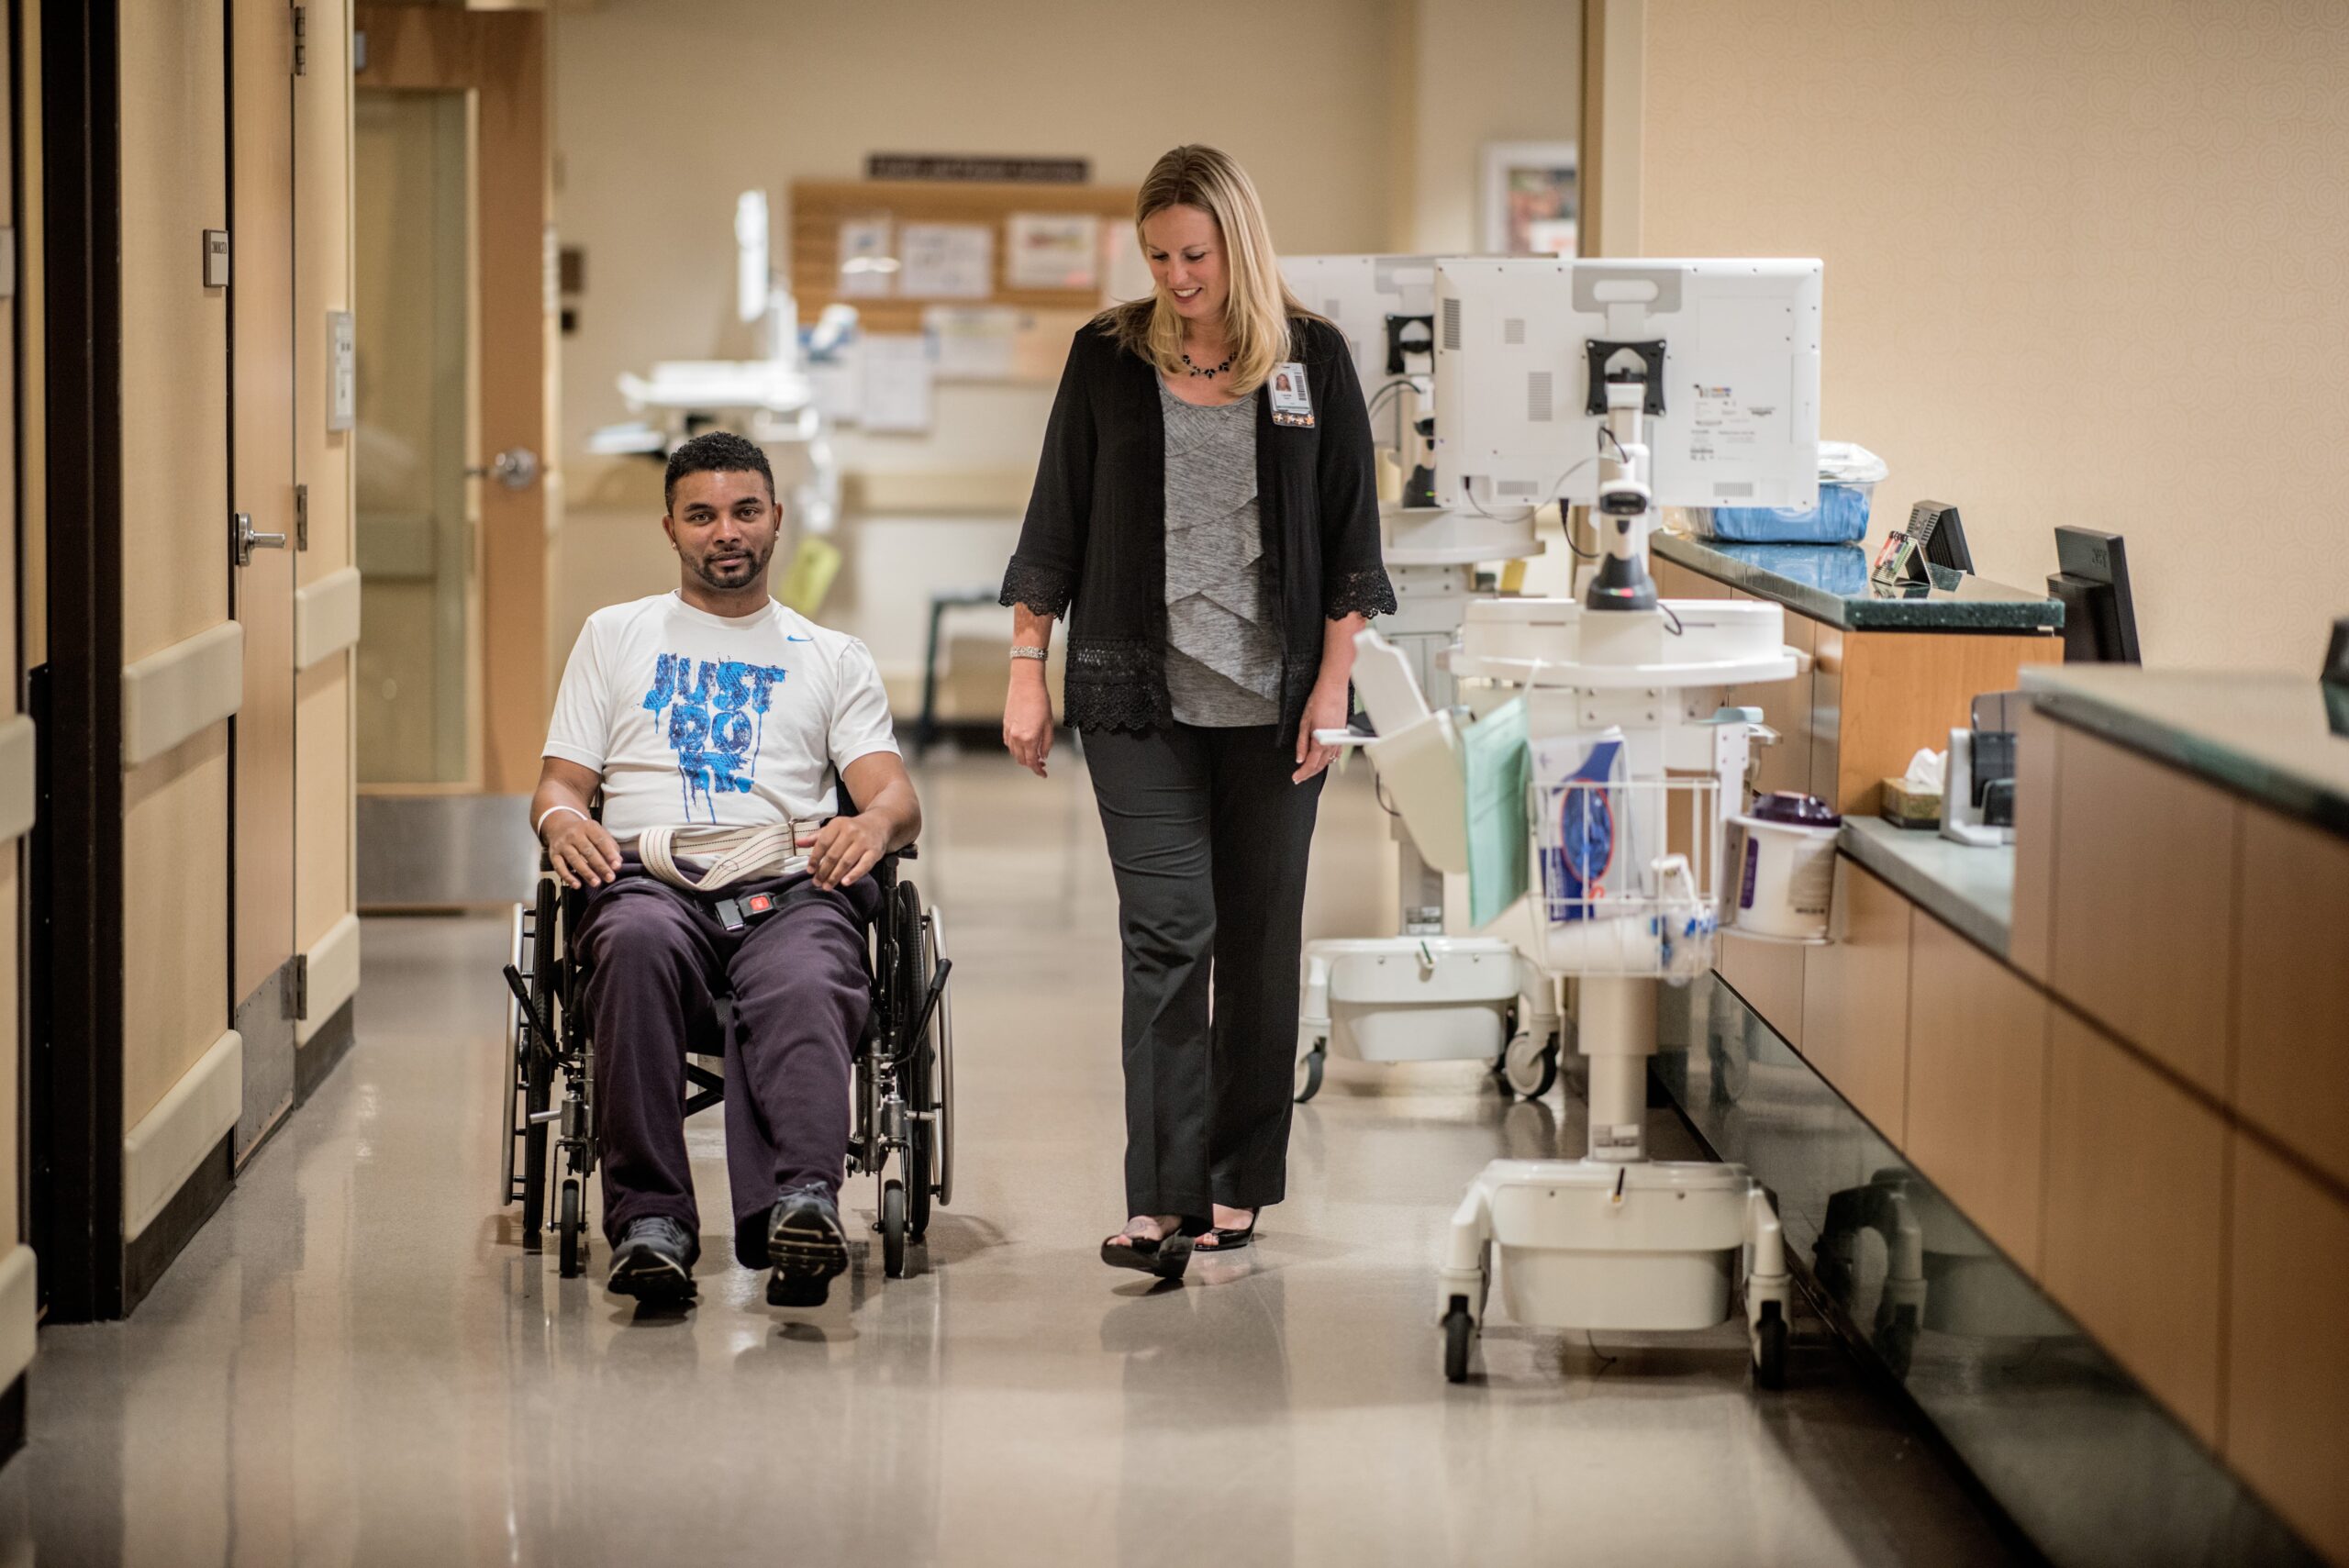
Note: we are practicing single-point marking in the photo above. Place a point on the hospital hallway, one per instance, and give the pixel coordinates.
(355, 1362)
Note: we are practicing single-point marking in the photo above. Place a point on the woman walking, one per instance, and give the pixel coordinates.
(1207, 503)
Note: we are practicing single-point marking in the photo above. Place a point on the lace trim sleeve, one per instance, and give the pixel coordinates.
(1363, 593)
(1040, 588)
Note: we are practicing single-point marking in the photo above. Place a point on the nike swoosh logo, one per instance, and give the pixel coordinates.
(788, 638)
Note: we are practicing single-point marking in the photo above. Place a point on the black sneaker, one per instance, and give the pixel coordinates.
(807, 1246)
(654, 1261)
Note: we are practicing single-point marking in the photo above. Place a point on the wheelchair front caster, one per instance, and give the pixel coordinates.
(1458, 1333)
(570, 1229)
(1308, 1071)
(1770, 1349)
(893, 1228)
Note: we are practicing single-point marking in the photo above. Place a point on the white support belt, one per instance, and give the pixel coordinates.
(728, 855)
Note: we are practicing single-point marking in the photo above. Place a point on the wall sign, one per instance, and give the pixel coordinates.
(954, 166)
(342, 370)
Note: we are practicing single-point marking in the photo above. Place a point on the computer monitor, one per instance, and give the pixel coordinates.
(1384, 305)
(2334, 679)
(1934, 526)
(2099, 617)
(1740, 421)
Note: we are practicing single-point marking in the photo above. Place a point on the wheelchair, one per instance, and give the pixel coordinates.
(902, 1097)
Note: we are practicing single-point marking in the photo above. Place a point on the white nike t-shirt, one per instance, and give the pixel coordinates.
(692, 718)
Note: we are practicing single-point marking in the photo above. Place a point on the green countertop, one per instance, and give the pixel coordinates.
(1830, 582)
(2269, 735)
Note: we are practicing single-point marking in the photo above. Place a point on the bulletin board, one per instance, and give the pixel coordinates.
(822, 212)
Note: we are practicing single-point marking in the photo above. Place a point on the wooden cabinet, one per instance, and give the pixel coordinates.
(2132, 1241)
(2291, 1004)
(2288, 1357)
(2145, 902)
(1769, 975)
(1855, 1000)
(1978, 1067)
(1897, 691)
(2037, 742)
(1787, 708)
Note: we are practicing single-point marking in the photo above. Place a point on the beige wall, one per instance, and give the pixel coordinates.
(2086, 264)
(1361, 121)
(666, 111)
(1481, 70)
(175, 504)
(323, 879)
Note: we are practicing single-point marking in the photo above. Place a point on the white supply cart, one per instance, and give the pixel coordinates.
(1421, 994)
(1613, 1240)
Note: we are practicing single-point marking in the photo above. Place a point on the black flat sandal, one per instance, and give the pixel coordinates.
(1224, 1239)
(1166, 1257)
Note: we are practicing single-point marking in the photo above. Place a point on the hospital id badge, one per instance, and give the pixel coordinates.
(1292, 402)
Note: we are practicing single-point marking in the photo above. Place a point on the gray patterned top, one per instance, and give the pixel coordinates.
(1223, 666)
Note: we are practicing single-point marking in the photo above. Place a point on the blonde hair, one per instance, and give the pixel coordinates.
(1258, 310)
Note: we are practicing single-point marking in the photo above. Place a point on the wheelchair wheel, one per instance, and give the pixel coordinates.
(539, 1077)
(893, 1228)
(572, 1236)
(940, 1099)
(516, 1065)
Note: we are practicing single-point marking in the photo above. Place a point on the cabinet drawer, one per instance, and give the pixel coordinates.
(1977, 1079)
(2292, 988)
(2132, 1243)
(2287, 1349)
(2144, 899)
(1856, 999)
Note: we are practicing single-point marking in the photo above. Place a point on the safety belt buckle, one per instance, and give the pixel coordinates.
(735, 914)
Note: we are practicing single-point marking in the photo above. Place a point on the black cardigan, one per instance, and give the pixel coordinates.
(1095, 531)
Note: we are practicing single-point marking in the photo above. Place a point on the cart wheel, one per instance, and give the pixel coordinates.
(1308, 1071)
(1530, 1070)
(571, 1237)
(1459, 1330)
(1770, 1349)
(893, 1228)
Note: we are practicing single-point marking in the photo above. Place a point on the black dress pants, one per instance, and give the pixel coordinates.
(1208, 841)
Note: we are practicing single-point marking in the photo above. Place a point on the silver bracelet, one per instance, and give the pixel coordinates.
(539, 828)
(1031, 653)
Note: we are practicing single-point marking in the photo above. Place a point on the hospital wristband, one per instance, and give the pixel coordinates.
(538, 829)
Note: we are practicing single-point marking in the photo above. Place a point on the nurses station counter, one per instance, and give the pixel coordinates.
(2061, 1130)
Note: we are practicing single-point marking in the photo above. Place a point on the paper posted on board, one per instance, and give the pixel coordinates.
(1052, 251)
(896, 383)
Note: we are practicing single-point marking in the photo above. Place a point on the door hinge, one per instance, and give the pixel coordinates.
(301, 41)
(301, 516)
(297, 987)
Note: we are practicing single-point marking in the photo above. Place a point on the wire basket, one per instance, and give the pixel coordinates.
(1626, 874)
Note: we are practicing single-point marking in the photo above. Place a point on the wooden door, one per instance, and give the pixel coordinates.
(262, 373)
(500, 57)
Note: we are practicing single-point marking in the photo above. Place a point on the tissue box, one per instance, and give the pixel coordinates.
(1906, 807)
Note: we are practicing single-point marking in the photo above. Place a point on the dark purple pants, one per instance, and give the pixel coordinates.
(656, 955)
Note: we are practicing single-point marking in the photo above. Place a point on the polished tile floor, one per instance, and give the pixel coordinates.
(355, 1363)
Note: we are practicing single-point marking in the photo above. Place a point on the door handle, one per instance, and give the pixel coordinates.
(516, 468)
(243, 540)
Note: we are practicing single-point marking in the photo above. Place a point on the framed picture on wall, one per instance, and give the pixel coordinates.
(1532, 203)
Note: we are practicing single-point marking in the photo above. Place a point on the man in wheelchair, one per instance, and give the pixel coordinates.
(718, 728)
